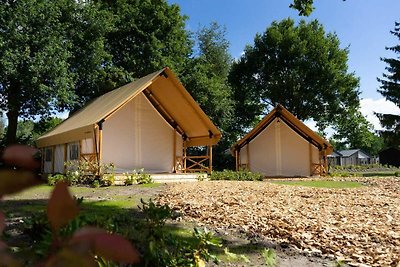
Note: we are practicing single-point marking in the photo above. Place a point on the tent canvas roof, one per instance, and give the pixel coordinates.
(299, 127)
(163, 89)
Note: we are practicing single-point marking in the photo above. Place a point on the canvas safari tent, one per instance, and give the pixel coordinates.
(147, 124)
(282, 146)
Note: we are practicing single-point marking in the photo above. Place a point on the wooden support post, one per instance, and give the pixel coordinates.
(325, 164)
(100, 144)
(210, 159)
(237, 159)
(248, 156)
(174, 153)
(184, 156)
(311, 159)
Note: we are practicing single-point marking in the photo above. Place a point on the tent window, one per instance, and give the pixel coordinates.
(73, 152)
(48, 154)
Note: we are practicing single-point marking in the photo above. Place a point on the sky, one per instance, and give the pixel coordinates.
(361, 25)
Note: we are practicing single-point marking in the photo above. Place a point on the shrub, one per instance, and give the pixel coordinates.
(54, 179)
(161, 248)
(139, 177)
(242, 175)
(144, 178)
(397, 174)
(87, 172)
(130, 179)
(107, 179)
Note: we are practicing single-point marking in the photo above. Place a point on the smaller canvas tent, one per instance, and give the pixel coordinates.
(147, 124)
(282, 146)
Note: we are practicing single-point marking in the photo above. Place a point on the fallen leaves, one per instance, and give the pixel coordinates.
(361, 225)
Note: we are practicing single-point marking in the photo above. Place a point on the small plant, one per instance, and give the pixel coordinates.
(269, 257)
(235, 257)
(397, 174)
(107, 179)
(200, 177)
(96, 184)
(54, 179)
(130, 179)
(144, 178)
(161, 248)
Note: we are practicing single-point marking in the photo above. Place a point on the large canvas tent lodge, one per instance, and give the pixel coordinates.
(148, 123)
(282, 146)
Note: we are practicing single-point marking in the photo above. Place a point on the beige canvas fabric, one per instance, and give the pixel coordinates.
(172, 97)
(274, 148)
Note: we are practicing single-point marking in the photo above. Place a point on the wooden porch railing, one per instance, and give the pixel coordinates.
(89, 157)
(196, 164)
(318, 169)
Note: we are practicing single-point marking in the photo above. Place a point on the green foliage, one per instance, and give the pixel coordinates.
(354, 131)
(155, 38)
(235, 257)
(87, 172)
(163, 249)
(138, 177)
(397, 174)
(54, 179)
(390, 88)
(299, 66)
(242, 175)
(41, 55)
(269, 257)
(206, 79)
(67, 52)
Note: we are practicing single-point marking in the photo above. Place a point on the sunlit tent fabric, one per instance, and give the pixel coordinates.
(282, 146)
(144, 124)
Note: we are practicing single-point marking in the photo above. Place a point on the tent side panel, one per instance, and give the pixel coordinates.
(243, 156)
(295, 153)
(138, 137)
(48, 159)
(263, 152)
(59, 159)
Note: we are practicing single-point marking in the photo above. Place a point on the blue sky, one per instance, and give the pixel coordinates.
(362, 25)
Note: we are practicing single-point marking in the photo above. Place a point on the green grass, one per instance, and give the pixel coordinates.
(151, 185)
(321, 184)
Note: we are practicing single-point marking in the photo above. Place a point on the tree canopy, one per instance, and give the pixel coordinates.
(390, 89)
(206, 78)
(300, 67)
(45, 47)
(65, 53)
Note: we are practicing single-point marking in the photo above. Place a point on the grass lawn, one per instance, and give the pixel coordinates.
(321, 184)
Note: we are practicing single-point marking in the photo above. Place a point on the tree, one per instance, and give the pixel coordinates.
(300, 67)
(305, 7)
(390, 89)
(147, 36)
(206, 78)
(45, 47)
(2, 126)
(207, 72)
(354, 131)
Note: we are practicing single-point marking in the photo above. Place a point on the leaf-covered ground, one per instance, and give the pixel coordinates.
(361, 225)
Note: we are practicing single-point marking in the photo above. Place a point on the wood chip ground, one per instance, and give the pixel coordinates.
(359, 225)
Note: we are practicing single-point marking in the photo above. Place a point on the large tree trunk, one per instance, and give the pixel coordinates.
(11, 136)
(12, 115)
